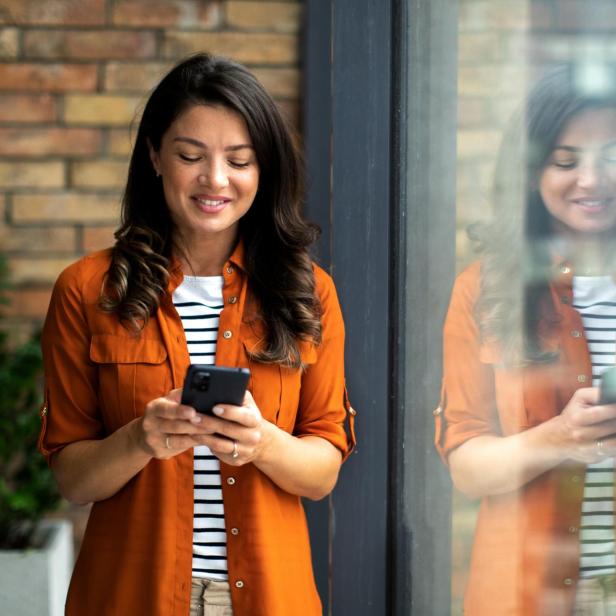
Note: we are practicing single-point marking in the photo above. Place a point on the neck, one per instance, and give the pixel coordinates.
(591, 256)
(205, 256)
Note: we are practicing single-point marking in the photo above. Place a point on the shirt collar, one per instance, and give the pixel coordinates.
(176, 275)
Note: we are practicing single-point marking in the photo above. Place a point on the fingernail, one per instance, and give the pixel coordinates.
(218, 410)
(196, 419)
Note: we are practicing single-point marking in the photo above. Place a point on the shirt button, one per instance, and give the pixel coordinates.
(573, 529)
(575, 333)
(44, 411)
(565, 269)
(581, 378)
(437, 411)
(231, 481)
(233, 299)
(235, 531)
(239, 584)
(567, 581)
(227, 334)
(229, 270)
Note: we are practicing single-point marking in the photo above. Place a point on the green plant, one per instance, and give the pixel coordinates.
(27, 487)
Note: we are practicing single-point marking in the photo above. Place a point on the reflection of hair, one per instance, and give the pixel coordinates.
(275, 235)
(516, 259)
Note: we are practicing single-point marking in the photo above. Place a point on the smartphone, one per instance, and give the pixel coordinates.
(608, 387)
(205, 386)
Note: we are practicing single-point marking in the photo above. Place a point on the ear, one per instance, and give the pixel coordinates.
(154, 157)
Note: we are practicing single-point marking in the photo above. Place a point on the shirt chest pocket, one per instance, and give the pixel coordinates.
(131, 372)
(276, 389)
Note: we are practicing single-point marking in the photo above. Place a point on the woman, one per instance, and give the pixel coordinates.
(529, 331)
(210, 263)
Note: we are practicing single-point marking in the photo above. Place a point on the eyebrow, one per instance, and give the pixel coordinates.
(200, 144)
(571, 148)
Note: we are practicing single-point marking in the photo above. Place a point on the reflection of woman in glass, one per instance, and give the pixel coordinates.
(210, 264)
(530, 329)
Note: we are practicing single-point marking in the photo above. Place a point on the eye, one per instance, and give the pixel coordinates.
(189, 159)
(238, 164)
(565, 164)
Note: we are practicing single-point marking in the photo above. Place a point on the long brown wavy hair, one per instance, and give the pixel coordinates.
(276, 237)
(516, 265)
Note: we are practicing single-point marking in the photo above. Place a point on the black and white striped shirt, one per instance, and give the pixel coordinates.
(199, 302)
(594, 297)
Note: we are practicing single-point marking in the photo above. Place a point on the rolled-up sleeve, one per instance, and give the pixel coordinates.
(71, 410)
(467, 407)
(324, 407)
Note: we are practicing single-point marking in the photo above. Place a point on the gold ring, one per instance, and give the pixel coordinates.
(167, 442)
(235, 454)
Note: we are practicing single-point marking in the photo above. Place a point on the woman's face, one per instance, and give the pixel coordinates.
(209, 172)
(578, 183)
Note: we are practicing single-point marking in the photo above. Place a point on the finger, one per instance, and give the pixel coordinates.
(596, 431)
(175, 395)
(248, 399)
(164, 408)
(588, 396)
(248, 416)
(225, 448)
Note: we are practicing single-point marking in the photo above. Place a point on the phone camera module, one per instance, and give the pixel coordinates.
(202, 381)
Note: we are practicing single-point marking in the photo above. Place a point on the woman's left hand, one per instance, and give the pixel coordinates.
(239, 432)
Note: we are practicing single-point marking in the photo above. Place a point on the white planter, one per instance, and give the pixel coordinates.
(34, 582)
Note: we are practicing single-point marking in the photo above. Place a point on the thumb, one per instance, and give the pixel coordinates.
(175, 395)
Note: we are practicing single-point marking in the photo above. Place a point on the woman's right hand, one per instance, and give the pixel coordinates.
(585, 430)
(166, 428)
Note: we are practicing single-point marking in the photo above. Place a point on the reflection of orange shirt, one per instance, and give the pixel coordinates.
(525, 557)
(136, 553)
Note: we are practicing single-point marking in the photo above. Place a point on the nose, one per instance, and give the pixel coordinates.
(590, 174)
(213, 174)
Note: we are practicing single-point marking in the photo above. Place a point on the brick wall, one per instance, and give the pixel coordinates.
(73, 75)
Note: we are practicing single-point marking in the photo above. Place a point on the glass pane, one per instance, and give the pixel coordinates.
(537, 94)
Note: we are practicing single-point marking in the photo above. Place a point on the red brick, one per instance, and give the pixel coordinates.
(49, 141)
(94, 44)
(48, 77)
(97, 238)
(134, 76)
(28, 303)
(49, 12)
(257, 48)
(194, 14)
(23, 108)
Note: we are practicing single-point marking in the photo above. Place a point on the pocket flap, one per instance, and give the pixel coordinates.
(114, 349)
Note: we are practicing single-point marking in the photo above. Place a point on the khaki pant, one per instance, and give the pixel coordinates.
(210, 598)
(596, 596)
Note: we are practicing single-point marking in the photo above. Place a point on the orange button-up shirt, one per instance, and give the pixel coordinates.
(525, 558)
(136, 553)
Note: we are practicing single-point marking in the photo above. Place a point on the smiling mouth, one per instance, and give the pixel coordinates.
(595, 203)
(210, 202)
(210, 205)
